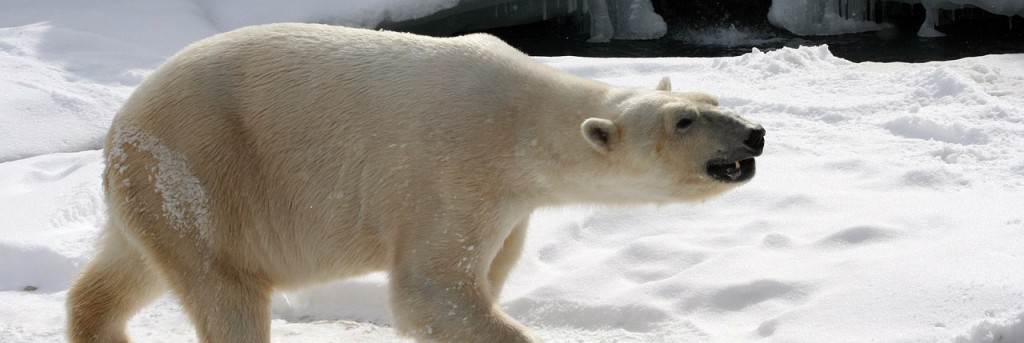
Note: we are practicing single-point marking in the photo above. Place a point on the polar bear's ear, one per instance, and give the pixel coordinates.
(600, 133)
(664, 85)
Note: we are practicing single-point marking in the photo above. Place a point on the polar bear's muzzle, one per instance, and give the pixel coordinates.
(739, 166)
(735, 171)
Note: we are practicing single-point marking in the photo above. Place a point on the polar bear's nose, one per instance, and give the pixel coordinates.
(756, 140)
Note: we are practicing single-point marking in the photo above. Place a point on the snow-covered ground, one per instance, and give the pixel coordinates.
(889, 204)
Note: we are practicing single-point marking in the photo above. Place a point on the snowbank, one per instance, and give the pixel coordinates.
(87, 56)
(52, 207)
(998, 328)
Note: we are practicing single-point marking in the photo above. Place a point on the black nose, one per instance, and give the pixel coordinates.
(756, 140)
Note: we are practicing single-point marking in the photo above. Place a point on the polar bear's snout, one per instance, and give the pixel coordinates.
(737, 165)
(755, 142)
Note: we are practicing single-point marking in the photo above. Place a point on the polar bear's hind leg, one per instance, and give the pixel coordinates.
(114, 286)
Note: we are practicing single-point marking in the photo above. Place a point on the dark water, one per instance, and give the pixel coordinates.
(964, 38)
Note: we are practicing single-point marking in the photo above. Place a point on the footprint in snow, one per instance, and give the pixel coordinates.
(925, 129)
(856, 235)
(767, 328)
(565, 313)
(776, 241)
(651, 259)
(739, 297)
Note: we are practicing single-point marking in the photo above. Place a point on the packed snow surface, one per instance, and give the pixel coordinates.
(887, 206)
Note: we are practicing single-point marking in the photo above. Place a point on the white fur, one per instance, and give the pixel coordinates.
(301, 153)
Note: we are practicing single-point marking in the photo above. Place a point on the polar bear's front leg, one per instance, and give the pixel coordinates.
(440, 291)
(506, 259)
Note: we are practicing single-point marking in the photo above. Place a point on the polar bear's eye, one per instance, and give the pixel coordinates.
(683, 124)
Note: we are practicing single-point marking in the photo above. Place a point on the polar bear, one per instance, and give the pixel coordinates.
(283, 155)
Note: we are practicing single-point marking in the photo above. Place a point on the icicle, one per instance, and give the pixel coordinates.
(832, 8)
(871, 10)
(931, 17)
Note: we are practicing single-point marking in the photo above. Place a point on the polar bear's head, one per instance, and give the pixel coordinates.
(669, 146)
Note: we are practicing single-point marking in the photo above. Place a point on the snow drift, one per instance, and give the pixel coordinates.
(99, 50)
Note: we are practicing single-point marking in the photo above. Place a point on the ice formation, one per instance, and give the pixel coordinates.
(823, 17)
(830, 17)
(609, 19)
(629, 19)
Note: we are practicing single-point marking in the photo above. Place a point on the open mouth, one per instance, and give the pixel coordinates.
(734, 171)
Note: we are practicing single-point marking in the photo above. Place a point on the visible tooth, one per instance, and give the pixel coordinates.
(737, 164)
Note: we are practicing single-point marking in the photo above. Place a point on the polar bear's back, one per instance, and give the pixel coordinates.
(296, 86)
(292, 63)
